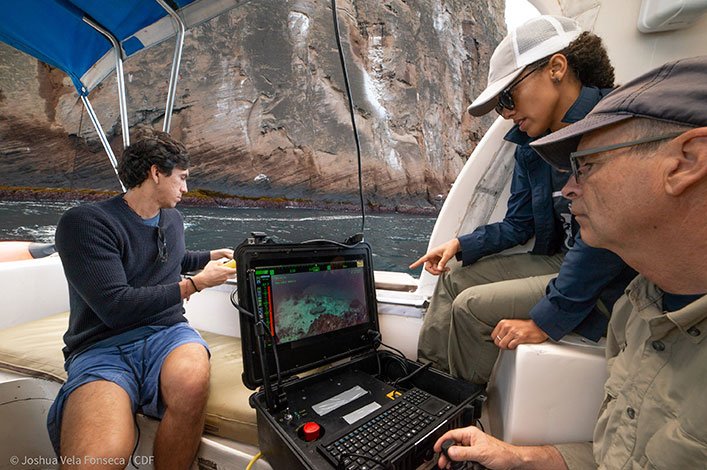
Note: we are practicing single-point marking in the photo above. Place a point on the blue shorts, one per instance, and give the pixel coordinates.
(134, 366)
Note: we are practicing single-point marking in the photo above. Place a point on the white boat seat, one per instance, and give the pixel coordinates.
(395, 281)
(34, 349)
(548, 393)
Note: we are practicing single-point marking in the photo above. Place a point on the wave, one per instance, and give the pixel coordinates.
(42, 233)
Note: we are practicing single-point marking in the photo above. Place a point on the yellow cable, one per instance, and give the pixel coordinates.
(253, 460)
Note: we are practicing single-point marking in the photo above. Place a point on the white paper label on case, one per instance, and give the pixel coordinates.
(330, 404)
(361, 412)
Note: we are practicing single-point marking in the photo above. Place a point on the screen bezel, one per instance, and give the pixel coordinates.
(310, 352)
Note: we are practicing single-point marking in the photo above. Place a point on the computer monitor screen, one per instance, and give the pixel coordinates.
(299, 301)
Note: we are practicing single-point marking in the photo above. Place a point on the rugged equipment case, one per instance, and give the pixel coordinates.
(282, 411)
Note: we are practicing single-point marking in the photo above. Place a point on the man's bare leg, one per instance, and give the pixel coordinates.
(97, 427)
(184, 386)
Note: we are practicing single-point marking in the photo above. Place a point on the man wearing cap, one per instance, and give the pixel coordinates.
(544, 75)
(638, 188)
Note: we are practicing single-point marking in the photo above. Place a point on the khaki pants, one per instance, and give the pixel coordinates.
(469, 301)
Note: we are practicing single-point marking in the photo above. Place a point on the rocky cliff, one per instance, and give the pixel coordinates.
(261, 102)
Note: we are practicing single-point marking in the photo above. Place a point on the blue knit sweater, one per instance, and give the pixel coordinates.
(116, 280)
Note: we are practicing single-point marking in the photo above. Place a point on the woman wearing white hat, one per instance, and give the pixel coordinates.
(544, 75)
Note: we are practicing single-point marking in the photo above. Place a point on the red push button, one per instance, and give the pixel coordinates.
(311, 431)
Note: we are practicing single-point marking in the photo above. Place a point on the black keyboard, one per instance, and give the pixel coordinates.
(379, 436)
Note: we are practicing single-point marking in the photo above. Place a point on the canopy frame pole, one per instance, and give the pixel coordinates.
(103, 137)
(176, 62)
(122, 100)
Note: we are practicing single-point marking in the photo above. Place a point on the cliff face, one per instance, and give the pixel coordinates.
(261, 102)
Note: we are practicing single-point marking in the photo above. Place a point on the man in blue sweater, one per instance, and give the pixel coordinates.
(129, 347)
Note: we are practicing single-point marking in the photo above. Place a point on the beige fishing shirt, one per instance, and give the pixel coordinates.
(655, 408)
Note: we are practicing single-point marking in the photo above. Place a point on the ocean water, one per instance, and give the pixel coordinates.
(396, 239)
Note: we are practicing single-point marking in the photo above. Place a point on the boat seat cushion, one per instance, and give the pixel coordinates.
(34, 349)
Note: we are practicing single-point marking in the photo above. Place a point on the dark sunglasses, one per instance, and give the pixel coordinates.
(161, 246)
(505, 99)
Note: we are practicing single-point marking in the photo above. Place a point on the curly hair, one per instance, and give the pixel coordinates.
(151, 148)
(589, 61)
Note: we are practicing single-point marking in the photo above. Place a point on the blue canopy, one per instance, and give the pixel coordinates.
(54, 31)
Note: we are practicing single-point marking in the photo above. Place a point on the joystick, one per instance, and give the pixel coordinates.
(445, 448)
(455, 465)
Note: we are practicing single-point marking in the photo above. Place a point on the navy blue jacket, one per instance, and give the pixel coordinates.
(587, 274)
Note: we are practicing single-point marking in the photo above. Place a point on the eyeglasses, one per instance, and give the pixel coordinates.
(505, 99)
(580, 169)
(161, 246)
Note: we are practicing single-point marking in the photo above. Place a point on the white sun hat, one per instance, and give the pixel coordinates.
(533, 40)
